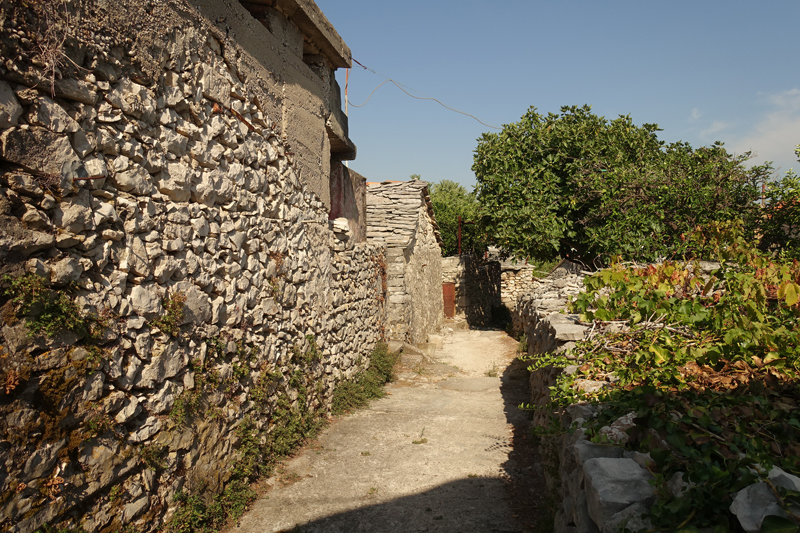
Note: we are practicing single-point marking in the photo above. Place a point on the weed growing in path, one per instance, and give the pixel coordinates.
(367, 386)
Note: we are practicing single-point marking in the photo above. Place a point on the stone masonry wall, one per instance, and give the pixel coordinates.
(600, 487)
(603, 487)
(477, 286)
(153, 172)
(515, 280)
(400, 217)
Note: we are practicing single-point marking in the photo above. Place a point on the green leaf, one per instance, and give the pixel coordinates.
(779, 524)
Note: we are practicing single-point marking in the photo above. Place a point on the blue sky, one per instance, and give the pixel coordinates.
(702, 70)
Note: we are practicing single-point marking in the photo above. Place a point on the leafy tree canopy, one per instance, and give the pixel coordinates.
(575, 184)
(781, 220)
(451, 200)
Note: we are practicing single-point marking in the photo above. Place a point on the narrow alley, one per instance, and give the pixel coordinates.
(446, 450)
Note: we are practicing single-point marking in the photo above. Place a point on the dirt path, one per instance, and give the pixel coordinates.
(446, 451)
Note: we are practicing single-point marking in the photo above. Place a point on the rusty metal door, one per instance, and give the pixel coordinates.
(449, 294)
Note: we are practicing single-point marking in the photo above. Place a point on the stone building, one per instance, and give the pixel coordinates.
(166, 175)
(400, 217)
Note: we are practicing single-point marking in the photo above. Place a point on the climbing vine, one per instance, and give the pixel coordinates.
(709, 365)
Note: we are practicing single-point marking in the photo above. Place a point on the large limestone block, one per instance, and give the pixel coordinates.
(753, 504)
(135, 180)
(613, 485)
(52, 116)
(146, 301)
(10, 110)
(568, 332)
(37, 149)
(75, 214)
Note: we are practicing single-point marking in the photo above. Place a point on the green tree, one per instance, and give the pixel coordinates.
(577, 185)
(781, 220)
(451, 200)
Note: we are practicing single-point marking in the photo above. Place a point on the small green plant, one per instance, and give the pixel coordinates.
(372, 490)
(171, 322)
(365, 454)
(368, 385)
(46, 311)
(115, 492)
(186, 406)
(151, 456)
(420, 440)
(472, 475)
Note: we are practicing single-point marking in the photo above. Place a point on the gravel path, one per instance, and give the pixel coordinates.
(446, 451)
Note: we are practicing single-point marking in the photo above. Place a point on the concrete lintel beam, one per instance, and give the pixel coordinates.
(315, 27)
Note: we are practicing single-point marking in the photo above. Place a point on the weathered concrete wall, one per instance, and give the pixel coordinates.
(299, 51)
(400, 217)
(160, 170)
(477, 286)
(349, 199)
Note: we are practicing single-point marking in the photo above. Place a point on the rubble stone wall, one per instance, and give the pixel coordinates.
(477, 286)
(581, 474)
(153, 172)
(400, 217)
(515, 280)
(601, 487)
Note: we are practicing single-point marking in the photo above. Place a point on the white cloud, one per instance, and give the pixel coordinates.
(695, 114)
(775, 135)
(716, 127)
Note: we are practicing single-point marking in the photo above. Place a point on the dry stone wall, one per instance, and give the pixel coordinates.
(516, 279)
(477, 287)
(151, 177)
(603, 488)
(600, 487)
(400, 217)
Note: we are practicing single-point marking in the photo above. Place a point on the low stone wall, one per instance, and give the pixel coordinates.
(155, 194)
(516, 279)
(599, 487)
(477, 287)
(602, 487)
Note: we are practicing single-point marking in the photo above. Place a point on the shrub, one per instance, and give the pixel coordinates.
(369, 384)
(710, 367)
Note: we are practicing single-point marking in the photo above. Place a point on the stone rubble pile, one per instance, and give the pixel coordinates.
(128, 191)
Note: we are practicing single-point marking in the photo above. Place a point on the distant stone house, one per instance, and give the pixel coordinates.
(400, 217)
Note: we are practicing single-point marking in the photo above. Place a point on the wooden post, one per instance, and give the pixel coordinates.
(459, 234)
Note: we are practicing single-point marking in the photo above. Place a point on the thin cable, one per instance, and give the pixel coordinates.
(423, 97)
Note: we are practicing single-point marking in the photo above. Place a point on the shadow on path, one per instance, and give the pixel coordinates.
(469, 504)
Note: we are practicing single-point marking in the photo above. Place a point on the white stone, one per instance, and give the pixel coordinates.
(754, 503)
(66, 271)
(136, 180)
(146, 301)
(613, 485)
(52, 116)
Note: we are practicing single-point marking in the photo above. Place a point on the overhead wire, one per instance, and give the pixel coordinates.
(404, 87)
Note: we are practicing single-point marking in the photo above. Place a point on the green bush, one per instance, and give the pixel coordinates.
(780, 223)
(451, 200)
(711, 367)
(46, 311)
